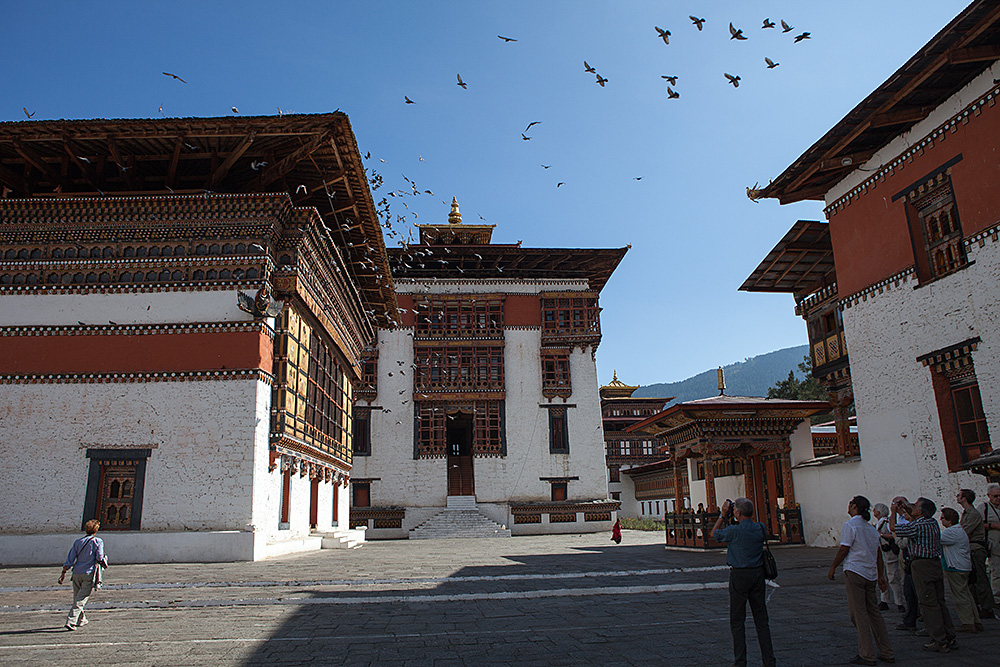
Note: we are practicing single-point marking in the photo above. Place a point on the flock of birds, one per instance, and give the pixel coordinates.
(376, 180)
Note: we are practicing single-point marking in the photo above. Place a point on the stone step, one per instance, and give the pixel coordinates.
(342, 538)
(460, 519)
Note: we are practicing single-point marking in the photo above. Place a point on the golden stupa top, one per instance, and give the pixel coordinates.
(617, 389)
(455, 232)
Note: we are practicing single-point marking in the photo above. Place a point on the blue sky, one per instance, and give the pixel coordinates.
(672, 309)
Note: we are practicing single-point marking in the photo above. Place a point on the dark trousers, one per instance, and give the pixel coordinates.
(929, 581)
(912, 605)
(981, 592)
(747, 585)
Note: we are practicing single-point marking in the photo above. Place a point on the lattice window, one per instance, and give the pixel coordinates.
(115, 488)
(614, 473)
(458, 318)
(721, 468)
(431, 430)
(311, 397)
(471, 368)
(571, 318)
(933, 206)
(487, 427)
(558, 431)
(368, 387)
(964, 428)
(555, 372)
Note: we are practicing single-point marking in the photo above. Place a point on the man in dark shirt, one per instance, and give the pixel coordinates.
(924, 537)
(744, 554)
(973, 525)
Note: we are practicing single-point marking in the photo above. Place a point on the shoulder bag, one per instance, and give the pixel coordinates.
(767, 559)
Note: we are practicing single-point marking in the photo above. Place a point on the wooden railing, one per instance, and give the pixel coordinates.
(694, 529)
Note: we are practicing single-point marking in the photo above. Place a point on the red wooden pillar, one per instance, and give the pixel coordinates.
(709, 458)
(786, 473)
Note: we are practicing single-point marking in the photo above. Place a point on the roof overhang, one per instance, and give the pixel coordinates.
(726, 407)
(313, 159)
(800, 263)
(950, 60)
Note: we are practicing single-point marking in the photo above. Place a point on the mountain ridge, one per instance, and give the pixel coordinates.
(751, 377)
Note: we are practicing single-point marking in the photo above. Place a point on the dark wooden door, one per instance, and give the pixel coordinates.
(460, 475)
(314, 502)
(765, 489)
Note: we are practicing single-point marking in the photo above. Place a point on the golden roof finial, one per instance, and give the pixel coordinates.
(455, 217)
(615, 375)
(722, 380)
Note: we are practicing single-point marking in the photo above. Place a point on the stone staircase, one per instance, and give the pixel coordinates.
(342, 538)
(460, 519)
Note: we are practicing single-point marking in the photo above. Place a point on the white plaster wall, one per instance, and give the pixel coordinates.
(971, 92)
(123, 308)
(133, 547)
(801, 445)
(823, 493)
(199, 475)
(898, 424)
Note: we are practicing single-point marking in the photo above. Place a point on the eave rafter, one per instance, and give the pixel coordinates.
(223, 169)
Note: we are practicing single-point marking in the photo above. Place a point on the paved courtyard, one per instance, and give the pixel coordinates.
(554, 600)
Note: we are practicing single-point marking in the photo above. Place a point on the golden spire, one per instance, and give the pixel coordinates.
(722, 380)
(454, 218)
(613, 379)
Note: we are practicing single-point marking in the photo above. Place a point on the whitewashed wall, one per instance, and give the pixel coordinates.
(898, 424)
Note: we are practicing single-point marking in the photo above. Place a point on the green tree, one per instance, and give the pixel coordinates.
(808, 389)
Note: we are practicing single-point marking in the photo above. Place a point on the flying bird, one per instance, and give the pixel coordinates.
(544, 166)
(534, 122)
(637, 178)
(257, 166)
(734, 33)
(525, 137)
(768, 23)
(29, 115)
(785, 27)
(462, 83)
(664, 35)
(735, 80)
(160, 109)
(174, 76)
(305, 190)
(799, 38)
(601, 80)
(235, 110)
(560, 183)
(672, 80)
(408, 100)
(588, 68)
(770, 63)
(506, 39)
(671, 94)
(697, 22)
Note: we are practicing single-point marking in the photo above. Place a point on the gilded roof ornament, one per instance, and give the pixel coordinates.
(455, 217)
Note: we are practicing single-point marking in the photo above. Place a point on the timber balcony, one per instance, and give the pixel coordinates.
(694, 529)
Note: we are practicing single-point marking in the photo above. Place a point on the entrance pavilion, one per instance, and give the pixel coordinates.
(732, 446)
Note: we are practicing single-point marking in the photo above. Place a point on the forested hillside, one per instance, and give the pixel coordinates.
(752, 377)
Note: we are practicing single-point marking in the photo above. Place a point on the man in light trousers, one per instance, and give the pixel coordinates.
(84, 557)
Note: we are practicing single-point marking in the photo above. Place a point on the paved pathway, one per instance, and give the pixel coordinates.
(554, 600)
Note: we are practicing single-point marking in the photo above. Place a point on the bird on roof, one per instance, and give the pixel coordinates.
(768, 23)
(174, 76)
(671, 94)
(735, 80)
(799, 38)
(462, 83)
(601, 81)
(672, 80)
(698, 23)
(534, 122)
(408, 100)
(588, 68)
(525, 137)
(160, 109)
(235, 110)
(785, 27)
(753, 194)
(280, 112)
(506, 39)
(770, 63)
(664, 35)
(734, 33)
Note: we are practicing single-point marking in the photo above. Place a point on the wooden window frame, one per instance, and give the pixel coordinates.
(458, 317)
(559, 489)
(361, 492)
(100, 459)
(459, 368)
(558, 430)
(614, 473)
(361, 435)
(556, 379)
(935, 226)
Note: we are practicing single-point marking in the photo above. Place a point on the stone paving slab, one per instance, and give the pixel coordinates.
(548, 600)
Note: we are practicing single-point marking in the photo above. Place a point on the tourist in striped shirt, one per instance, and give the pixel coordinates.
(924, 536)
